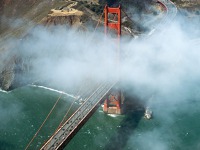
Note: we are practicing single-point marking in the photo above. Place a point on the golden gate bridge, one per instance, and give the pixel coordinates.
(104, 92)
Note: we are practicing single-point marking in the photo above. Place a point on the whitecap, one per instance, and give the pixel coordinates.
(47, 88)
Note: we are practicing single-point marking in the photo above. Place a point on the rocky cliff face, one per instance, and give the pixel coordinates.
(17, 17)
(9, 64)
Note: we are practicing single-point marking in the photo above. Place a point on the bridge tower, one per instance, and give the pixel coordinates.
(113, 25)
(114, 102)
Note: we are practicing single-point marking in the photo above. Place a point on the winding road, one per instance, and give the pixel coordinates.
(171, 12)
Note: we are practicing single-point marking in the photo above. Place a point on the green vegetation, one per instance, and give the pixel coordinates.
(98, 9)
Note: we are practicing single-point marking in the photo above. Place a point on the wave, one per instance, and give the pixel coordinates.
(50, 89)
(4, 91)
(113, 115)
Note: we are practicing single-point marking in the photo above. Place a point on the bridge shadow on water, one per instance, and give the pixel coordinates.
(133, 111)
(5, 145)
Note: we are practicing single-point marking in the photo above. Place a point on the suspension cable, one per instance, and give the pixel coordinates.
(69, 109)
(99, 21)
(66, 114)
(43, 122)
(127, 16)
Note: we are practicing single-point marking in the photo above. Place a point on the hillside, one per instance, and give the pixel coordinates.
(19, 17)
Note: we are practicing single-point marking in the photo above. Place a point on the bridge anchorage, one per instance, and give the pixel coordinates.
(114, 102)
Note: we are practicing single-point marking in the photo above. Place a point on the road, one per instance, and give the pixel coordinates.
(171, 12)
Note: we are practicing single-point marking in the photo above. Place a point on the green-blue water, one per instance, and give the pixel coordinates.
(23, 110)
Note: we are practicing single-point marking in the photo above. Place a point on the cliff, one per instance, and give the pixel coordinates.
(18, 17)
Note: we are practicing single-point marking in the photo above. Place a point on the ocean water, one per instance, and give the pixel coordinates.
(23, 110)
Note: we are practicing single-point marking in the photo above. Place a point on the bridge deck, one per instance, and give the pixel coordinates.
(65, 133)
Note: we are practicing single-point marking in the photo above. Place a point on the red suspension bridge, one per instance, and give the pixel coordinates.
(102, 92)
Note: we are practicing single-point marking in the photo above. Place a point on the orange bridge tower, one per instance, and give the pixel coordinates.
(114, 102)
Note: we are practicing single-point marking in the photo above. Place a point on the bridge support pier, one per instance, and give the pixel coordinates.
(114, 103)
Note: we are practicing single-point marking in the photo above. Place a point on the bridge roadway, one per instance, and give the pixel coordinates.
(66, 132)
